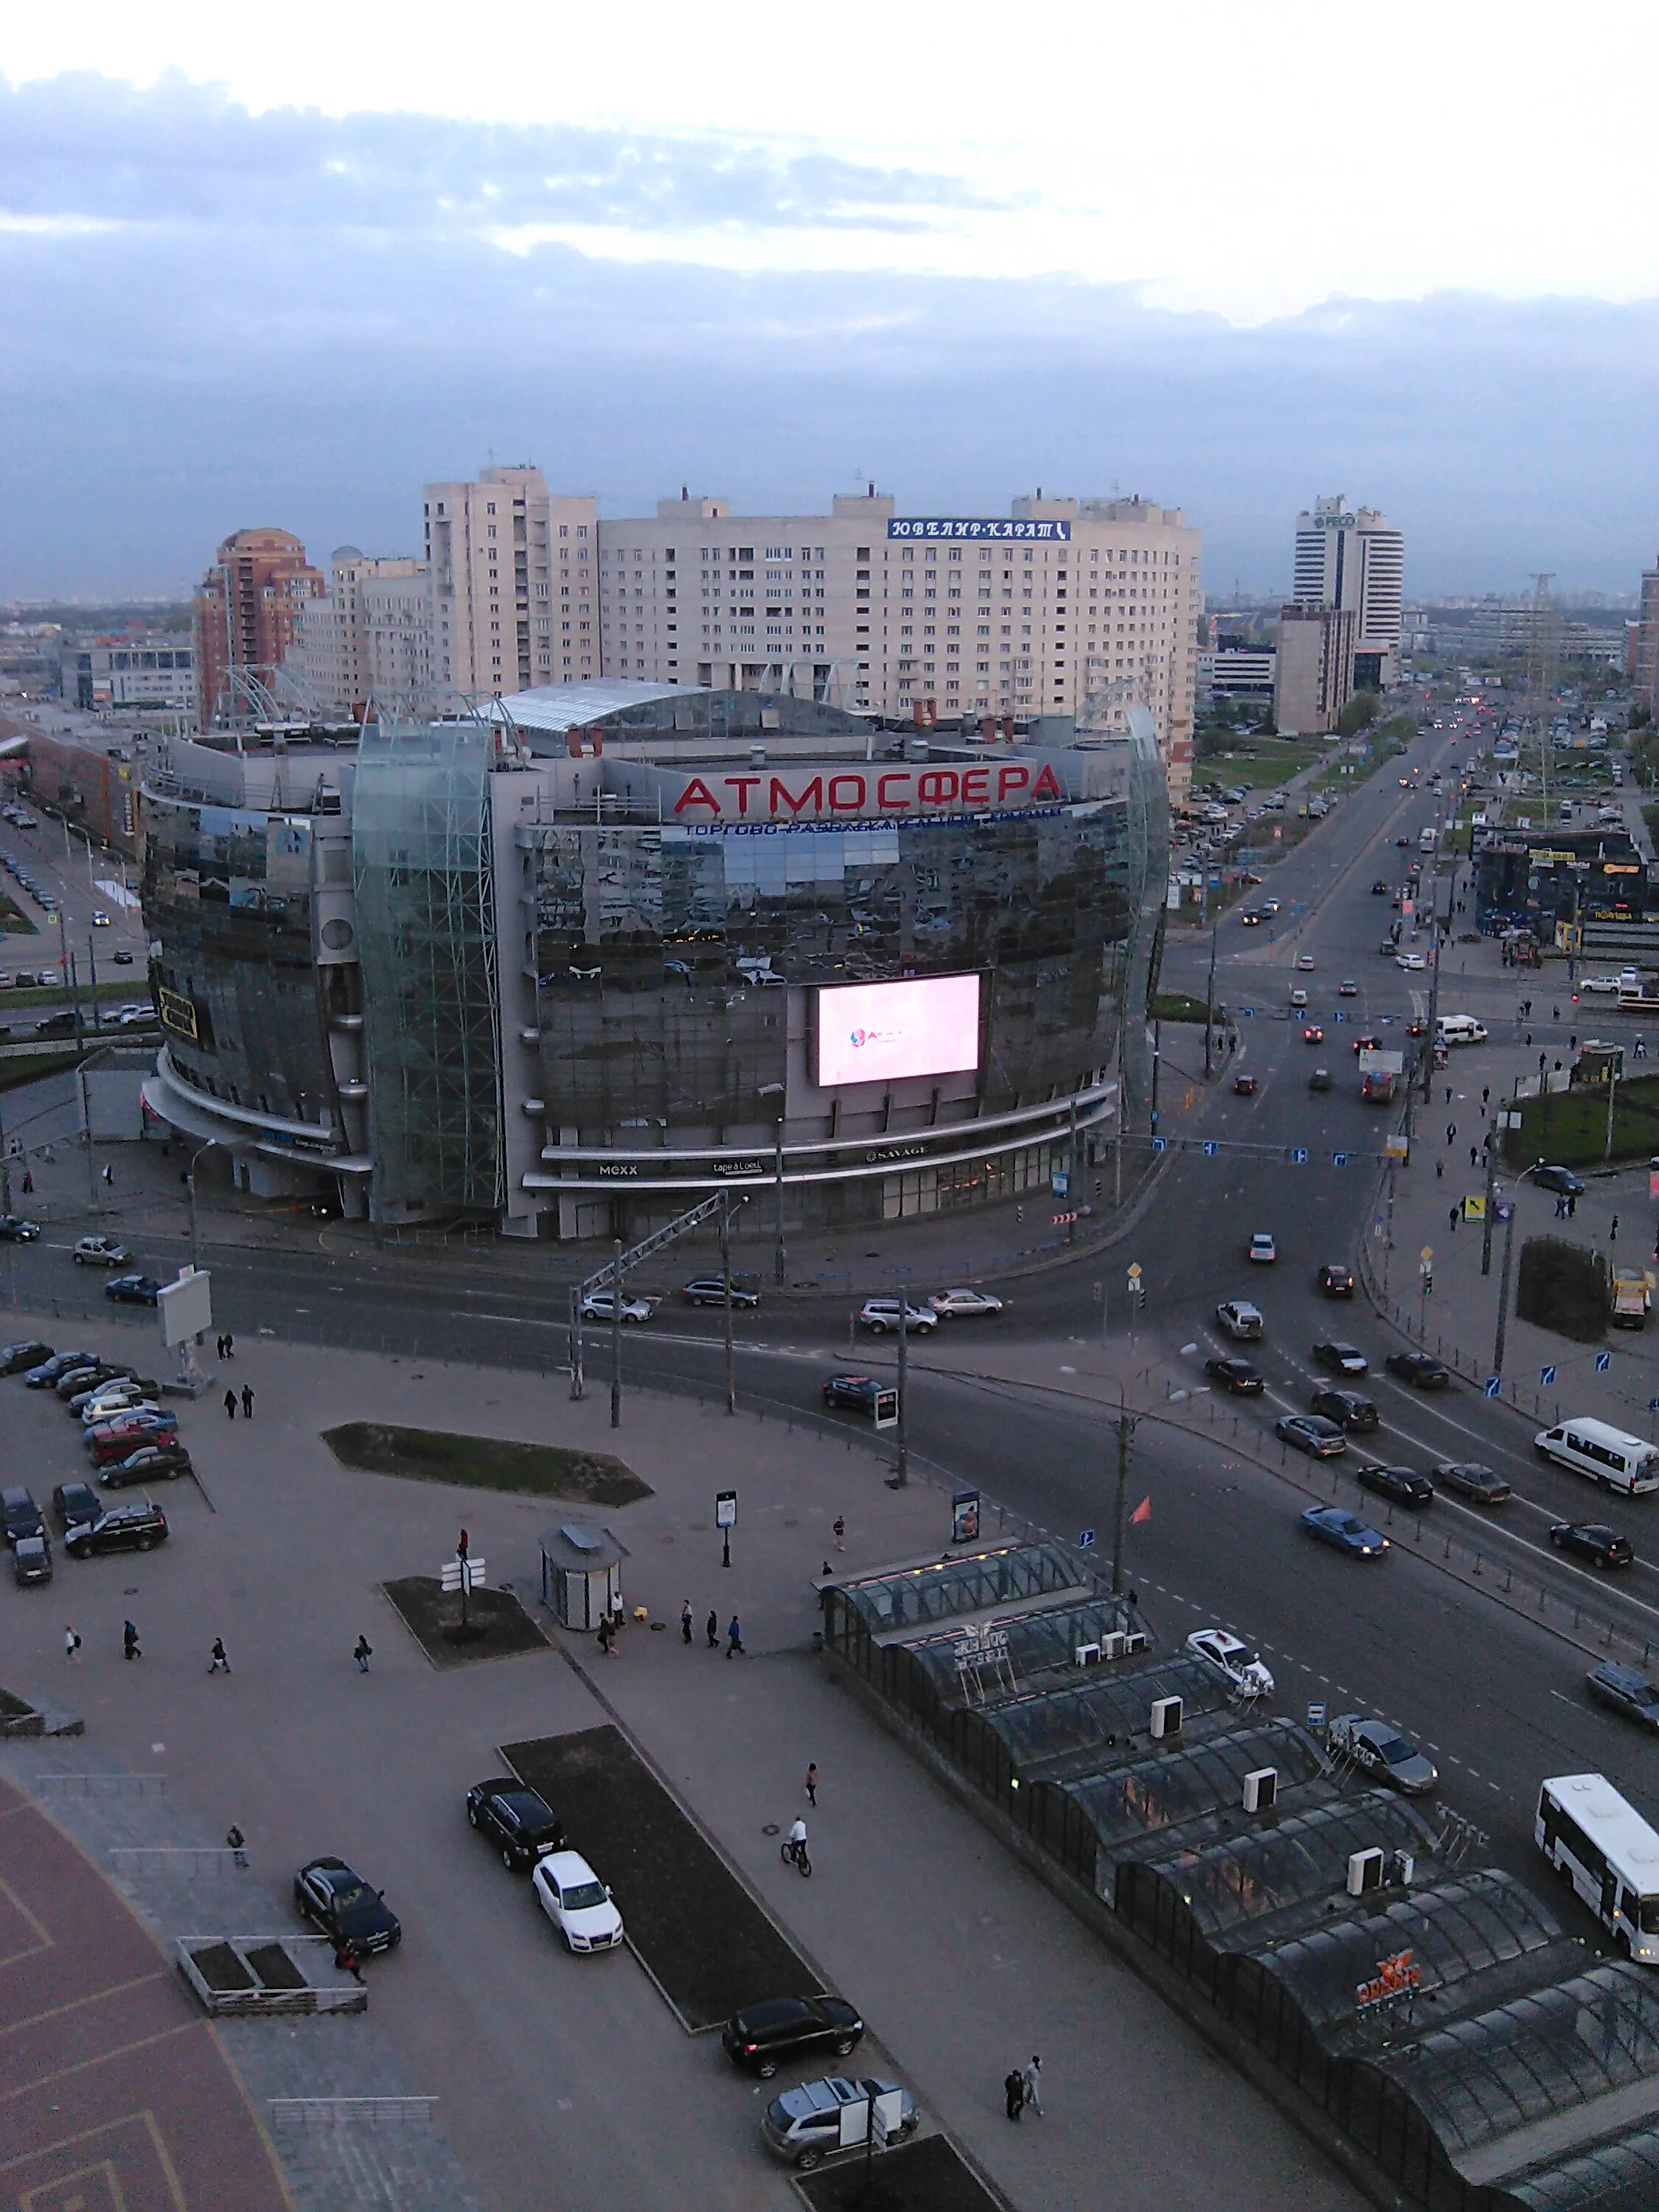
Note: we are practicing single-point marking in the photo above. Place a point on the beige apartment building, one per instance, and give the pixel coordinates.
(369, 633)
(1059, 606)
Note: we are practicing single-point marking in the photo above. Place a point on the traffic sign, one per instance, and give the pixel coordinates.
(1339, 1159)
(1135, 1271)
(1427, 1253)
(1160, 1143)
(1315, 1712)
(1058, 1220)
(1299, 1155)
(1249, 1013)
(1211, 1148)
(1653, 1405)
(1340, 1016)
(457, 1574)
(1494, 1385)
(1545, 1378)
(1085, 1540)
(1603, 1361)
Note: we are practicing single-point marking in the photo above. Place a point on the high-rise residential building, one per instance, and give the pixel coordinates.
(1645, 673)
(249, 608)
(1314, 669)
(1355, 559)
(369, 633)
(514, 588)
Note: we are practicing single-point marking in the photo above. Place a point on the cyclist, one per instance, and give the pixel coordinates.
(796, 1845)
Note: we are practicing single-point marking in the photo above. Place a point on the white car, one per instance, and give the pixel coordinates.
(1262, 1249)
(880, 1315)
(948, 1303)
(1241, 1319)
(1305, 961)
(1602, 987)
(1232, 1659)
(1298, 998)
(101, 1252)
(108, 1403)
(577, 1902)
(1415, 962)
(598, 1305)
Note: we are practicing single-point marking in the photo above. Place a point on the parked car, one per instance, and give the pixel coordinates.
(1418, 1369)
(858, 1391)
(1335, 1281)
(1263, 1250)
(1400, 1485)
(25, 1352)
(133, 1290)
(1593, 1541)
(710, 1291)
(520, 1823)
(1229, 1656)
(1241, 1376)
(1377, 1748)
(99, 1252)
(1472, 1481)
(577, 1902)
(763, 2036)
(1240, 1318)
(75, 1501)
(31, 1560)
(1311, 1433)
(20, 1516)
(880, 1315)
(952, 1305)
(157, 1462)
(78, 1394)
(1625, 1691)
(47, 1374)
(117, 1402)
(803, 2125)
(14, 1230)
(1548, 1178)
(138, 1527)
(328, 1893)
(1350, 1409)
(1341, 1357)
(1330, 1524)
(599, 1305)
(120, 1438)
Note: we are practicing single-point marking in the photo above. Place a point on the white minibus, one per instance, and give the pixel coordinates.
(1460, 1029)
(1606, 1454)
(1607, 1850)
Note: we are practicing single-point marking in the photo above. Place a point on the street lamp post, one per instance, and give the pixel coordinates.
(726, 1286)
(1126, 1431)
(776, 1090)
(195, 1251)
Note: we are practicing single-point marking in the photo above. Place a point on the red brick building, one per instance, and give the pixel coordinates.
(248, 609)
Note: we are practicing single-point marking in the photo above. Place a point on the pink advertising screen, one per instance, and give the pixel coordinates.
(878, 1032)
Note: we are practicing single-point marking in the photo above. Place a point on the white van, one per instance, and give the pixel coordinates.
(1460, 1029)
(1606, 1455)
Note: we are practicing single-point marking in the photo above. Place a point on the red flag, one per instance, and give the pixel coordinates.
(1143, 1511)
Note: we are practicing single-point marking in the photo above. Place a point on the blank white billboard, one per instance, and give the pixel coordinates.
(883, 1032)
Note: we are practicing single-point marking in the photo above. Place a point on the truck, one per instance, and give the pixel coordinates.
(1379, 1075)
(1632, 1293)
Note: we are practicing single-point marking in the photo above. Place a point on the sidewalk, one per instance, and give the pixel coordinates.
(963, 1962)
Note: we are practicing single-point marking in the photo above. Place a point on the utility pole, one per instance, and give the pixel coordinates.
(725, 1281)
(1434, 997)
(1072, 1191)
(777, 1191)
(1612, 1094)
(1126, 1430)
(1209, 1000)
(616, 1336)
(1492, 1174)
(1157, 1055)
(1504, 1292)
(902, 1473)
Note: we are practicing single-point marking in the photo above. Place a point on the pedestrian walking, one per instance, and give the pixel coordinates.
(1560, 1206)
(218, 1347)
(1486, 1095)
(1641, 1054)
(734, 1639)
(838, 1529)
(1451, 1132)
(1572, 1205)
(363, 1652)
(1572, 1041)
(1439, 1169)
(230, 1345)
(1013, 2091)
(247, 1415)
(28, 1179)
(236, 1844)
(230, 1405)
(605, 1634)
(345, 1958)
(1451, 1218)
(462, 1545)
(109, 1176)
(711, 1629)
(1613, 1231)
(686, 1622)
(1032, 2085)
(218, 1664)
(130, 1641)
(1555, 1014)
(1448, 1093)
(1474, 1155)
(72, 1646)
(812, 1782)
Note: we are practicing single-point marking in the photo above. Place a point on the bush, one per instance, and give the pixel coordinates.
(1563, 1287)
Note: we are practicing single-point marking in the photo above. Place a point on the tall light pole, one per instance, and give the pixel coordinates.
(195, 1252)
(776, 1090)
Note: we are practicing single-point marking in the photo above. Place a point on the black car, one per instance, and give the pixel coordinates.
(710, 1291)
(1244, 1086)
(522, 1825)
(124, 959)
(1472, 1481)
(1320, 1079)
(760, 2038)
(14, 1230)
(133, 1290)
(1592, 1541)
(1379, 887)
(1559, 1179)
(31, 1560)
(20, 1513)
(14, 1358)
(858, 1391)
(87, 1382)
(138, 1527)
(1239, 1376)
(1349, 1409)
(76, 1501)
(1400, 1485)
(161, 1462)
(1626, 1692)
(1335, 1281)
(341, 1903)
(1418, 1369)
(1341, 1357)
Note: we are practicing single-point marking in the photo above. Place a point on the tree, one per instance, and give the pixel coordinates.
(1358, 714)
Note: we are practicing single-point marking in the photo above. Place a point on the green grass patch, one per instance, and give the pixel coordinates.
(133, 983)
(1259, 763)
(1564, 1287)
(1177, 1006)
(1570, 1126)
(1651, 816)
(485, 1463)
(497, 1626)
(30, 1067)
(12, 918)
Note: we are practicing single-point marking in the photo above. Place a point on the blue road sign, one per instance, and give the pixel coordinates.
(1299, 1155)
(1653, 1405)
(1160, 1143)
(1249, 1013)
(1546, 1377)
(1315, 1712)
(1340, 1016)
(1494, 1385)
(1211, 1148)
(1603, 1361)
(1339, 1159)
(1085, 1541)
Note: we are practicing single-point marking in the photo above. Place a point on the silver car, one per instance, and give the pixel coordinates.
(879, 1315)
(599, 1305)
(1379, 1749)
(803, 2125)
(947, 1304)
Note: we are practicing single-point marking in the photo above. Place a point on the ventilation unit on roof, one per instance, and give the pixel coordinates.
(1166, 1716)
(1402, 1868)
(1135, 1640)
(1261, 1790)
(1364, 1871)
(1087, 1654)
(1113, 1645)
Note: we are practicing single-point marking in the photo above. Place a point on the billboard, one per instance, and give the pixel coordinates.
(881, 1032)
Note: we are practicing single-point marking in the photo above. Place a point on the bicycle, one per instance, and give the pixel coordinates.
(794, 1854)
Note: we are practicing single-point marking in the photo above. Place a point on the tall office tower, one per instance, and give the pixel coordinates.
(515, 584)
(1357, 559)
(368, 633)
(1313, 676)
(1060, 603)
(249, 608)
(1645, 673)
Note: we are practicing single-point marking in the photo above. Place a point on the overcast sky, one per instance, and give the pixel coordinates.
(1228, 258)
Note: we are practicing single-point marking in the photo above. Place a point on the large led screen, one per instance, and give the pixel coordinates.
(879, 1032)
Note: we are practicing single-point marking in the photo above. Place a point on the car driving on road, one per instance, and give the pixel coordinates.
(1263, 1250)
(1468, 1479)
(99, 1252)
(1239, 1319)
(710, 1291)
(133, 1290)
(1341, 1357)
(1549, 1177)
(1241, 1376)
(599, 1305)
(1346, 1532)
(1625, 1691)
(1230, 1657)
(1593, 1542)
(1419, 1369)
(1311, 1433)
(1350, 1409)
(880, 1315)
(1335, 1281)
(1400, 1485)
(959, 1305)
(1377, 1747)
(14, 1230)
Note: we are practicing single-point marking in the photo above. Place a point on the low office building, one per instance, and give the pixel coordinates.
(152, 673)
(575, 962)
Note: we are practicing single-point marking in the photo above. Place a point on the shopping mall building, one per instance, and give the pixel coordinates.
(573, 963)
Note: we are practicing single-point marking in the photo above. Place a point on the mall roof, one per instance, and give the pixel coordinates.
(574, 706)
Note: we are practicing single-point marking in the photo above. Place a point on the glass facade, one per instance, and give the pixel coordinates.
(424, 870)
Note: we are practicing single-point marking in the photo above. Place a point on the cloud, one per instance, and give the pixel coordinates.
(208, 327)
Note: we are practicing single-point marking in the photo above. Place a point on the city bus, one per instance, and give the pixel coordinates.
(1607, 1850)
